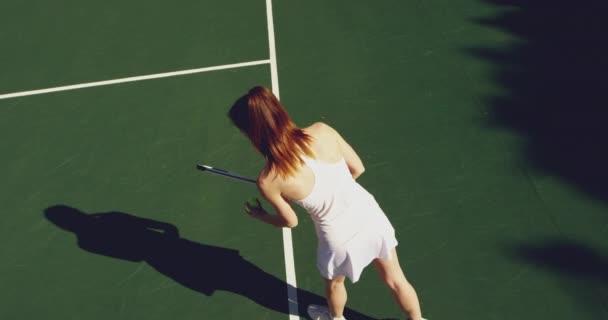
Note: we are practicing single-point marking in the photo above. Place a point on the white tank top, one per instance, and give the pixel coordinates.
(336, 203)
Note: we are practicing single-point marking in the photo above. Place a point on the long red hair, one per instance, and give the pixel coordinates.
(262, 117)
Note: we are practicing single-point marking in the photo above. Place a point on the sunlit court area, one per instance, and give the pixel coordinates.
(482, 126)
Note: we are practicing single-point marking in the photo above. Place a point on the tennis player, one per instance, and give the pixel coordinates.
(317, 169)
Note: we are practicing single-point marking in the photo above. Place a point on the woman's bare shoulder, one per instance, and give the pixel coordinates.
(266, 175)
(321, 128)
(269, 178)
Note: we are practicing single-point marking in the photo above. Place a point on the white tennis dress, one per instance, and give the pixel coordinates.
(351, 227)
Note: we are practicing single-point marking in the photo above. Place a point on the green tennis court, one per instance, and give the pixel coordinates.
(481, 123)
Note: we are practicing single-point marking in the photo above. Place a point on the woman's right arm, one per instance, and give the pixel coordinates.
(355, 165)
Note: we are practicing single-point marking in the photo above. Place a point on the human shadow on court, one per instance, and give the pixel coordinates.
(583, 271)
(197, 266)
(554, 92)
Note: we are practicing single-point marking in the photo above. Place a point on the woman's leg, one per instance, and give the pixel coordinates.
(336, 296)
(392, 275)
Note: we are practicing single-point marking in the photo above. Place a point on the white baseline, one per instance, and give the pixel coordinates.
(132, 79)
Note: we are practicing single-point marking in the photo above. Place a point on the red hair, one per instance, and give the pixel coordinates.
(262, 117)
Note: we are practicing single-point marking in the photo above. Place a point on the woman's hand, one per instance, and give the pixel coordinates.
(256, 210)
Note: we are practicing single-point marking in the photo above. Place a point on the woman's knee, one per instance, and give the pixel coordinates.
(390, 271)
(396, 282)
(335, 283)
(393, 277)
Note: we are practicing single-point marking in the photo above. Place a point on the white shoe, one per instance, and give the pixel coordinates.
(316, 312)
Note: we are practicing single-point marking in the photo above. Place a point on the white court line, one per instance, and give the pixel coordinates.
(132, 79)
(290, 270)
(273, 52)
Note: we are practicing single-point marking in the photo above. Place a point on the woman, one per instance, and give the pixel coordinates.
(316, 168)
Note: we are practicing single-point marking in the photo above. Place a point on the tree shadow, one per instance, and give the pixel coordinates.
(565, 257)
(582, 270)
(200, 267)
(555, 76)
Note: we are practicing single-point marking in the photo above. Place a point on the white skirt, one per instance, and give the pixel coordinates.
(375, 239)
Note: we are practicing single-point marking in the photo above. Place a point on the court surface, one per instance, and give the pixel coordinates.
(482, 131)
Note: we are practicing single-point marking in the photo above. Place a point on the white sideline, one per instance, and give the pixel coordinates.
(290, 271)
(132, 79)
